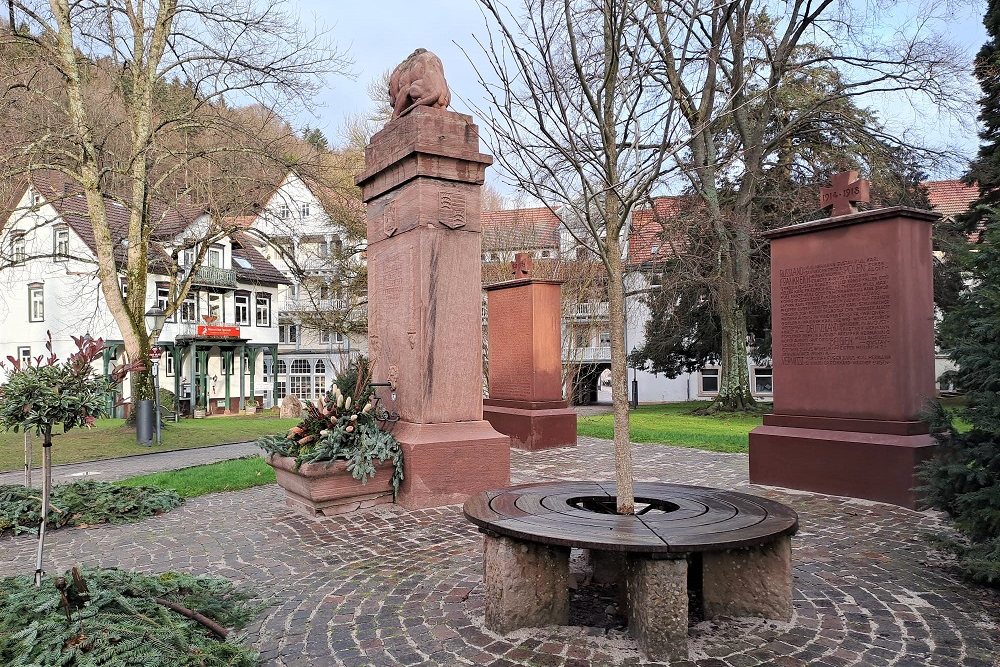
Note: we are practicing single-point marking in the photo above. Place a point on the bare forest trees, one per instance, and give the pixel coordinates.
(572, 120)
(129, 102)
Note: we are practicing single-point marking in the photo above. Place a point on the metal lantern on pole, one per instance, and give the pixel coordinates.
(148, 419)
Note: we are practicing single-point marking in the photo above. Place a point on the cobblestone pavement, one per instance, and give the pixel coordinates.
(393, 587)
(110, 470)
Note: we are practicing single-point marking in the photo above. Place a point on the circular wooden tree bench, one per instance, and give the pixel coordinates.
(733, 549)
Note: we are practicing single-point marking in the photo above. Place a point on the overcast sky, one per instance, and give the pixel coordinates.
(379, 34)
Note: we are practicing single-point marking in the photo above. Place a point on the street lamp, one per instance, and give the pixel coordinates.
(151, 413)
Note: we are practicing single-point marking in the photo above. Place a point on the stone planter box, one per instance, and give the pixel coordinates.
(251, 410)
(326, 489)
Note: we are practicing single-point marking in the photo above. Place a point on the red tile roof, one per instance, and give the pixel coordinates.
(520, 229)
(951, 197)
(645, 242)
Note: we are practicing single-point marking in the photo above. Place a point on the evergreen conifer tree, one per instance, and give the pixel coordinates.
(985, 169)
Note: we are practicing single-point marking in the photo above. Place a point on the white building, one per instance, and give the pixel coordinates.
(312, 250)
(214, 345)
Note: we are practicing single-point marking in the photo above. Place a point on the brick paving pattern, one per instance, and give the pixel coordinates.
(110, 470)
(392, 587)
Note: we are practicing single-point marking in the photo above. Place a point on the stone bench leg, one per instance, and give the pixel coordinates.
(527, 584)
(657, 597)
(749, 582)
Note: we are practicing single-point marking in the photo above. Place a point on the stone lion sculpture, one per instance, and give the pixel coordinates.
(418, 81)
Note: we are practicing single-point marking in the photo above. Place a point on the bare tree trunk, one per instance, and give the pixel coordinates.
(619, 387)
(46, 490)
(734, 376)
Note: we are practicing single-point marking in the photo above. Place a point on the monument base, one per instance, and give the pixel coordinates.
(874, 466)
(446, 463)
(533, 425)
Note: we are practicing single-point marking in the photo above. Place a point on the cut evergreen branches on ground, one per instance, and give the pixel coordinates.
(83, 503)
(123, 624)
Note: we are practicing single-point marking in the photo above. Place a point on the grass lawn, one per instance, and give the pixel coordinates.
(110, 439)
(674, 424)
(195, 481)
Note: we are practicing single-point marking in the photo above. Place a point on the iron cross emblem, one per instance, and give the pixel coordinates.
(845, 191)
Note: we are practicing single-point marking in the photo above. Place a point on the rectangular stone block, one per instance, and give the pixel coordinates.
(749, 582)
(532, 429)
(425, 323)
(853, 316)
(875, 466)
(527, 584)
(444, 464)
(656, 591)
(525, 318)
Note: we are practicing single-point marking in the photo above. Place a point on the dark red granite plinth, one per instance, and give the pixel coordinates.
(853, 356)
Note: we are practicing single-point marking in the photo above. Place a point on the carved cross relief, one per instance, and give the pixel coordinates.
(845, 191)
(522, 266)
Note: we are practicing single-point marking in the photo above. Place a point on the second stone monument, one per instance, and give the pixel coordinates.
(422, 180)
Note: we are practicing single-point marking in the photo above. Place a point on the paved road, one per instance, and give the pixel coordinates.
(392, 587)
(110, 470)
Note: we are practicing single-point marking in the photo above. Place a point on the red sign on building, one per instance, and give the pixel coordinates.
(218, 331)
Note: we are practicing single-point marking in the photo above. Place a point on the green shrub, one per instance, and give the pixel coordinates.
(83, 503)
(122, 625)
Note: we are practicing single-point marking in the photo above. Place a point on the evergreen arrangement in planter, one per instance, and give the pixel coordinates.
(83, 503)
(338, 435)
(111, 617)
(964, 478)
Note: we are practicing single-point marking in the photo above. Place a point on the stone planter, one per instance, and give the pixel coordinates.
(326, 489)
(251, 410)
(200, 413)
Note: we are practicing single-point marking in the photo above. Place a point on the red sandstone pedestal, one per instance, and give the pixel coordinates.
(422, 186)
(525, 368)
(853, 356)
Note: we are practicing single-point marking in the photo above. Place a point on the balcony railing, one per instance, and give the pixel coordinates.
(213, 330)
(215, 276)
(589, 311)
(588, 354)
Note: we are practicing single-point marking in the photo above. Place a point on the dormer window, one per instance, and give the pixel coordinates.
(215, 257)
(36, 199)
(304, 210)
(284, 212)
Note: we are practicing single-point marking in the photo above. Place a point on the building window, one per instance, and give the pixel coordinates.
(319, 379)
(123, 283)
(267, 367)
(300, 380)
(189, 309)
(546, 253)
(763, 380)
(339, 338)
(36, 199)
(215, 257)
(36, 303)
(24, 355)
(215, 307)
(168, 363)
(187, 257)
(292, 335)
(654, 249)
(60, 243)
(605, 339)
(325, 336)
(282, 391)
(242, 302)
(304, 209)
(163, 301)
(18, 247)
(263, 310)
(710, 380)
(284, 211)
